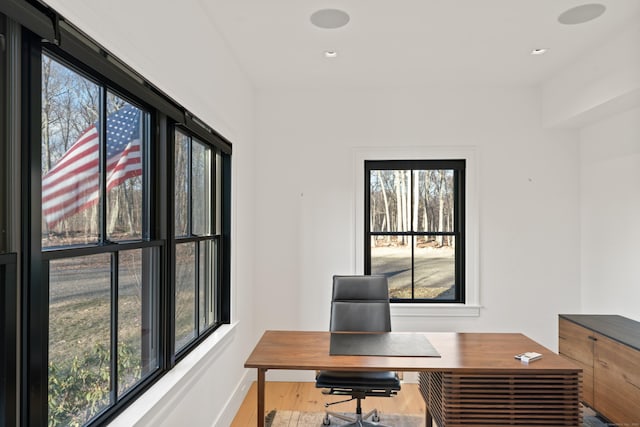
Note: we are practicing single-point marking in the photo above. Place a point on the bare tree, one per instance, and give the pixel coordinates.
(442, 196)
(387, 218)
(416, 198)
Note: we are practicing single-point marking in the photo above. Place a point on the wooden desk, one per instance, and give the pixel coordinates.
(476, 381)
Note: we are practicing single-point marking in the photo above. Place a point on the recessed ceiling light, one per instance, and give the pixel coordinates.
(330, 54)
(581, 14)
(539, 51)
(329, 18)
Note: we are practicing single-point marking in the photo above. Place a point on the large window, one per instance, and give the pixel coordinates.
(114, 226)
(414, 228)
(103, 280)
(197, 231)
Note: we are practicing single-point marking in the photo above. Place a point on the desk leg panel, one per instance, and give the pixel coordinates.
(502, 399)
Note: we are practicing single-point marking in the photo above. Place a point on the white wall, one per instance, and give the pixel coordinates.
(177, 49)
(599, 96)
(528, 185)
(610, 222)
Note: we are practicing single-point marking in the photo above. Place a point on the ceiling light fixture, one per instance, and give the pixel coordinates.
(329, 18)
(330, 54)
(539, 51)
(581, 14)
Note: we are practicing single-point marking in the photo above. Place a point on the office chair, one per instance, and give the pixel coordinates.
(358, 304)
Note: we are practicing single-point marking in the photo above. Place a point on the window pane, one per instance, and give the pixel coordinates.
(390, 200)
(79, 338)
(434, 264)
(181, 184)
(394, 261)
(137, 326)
(201, 189)
(70, 156)
(208, 282)
(125, 141)
(185, 295)
(435, 194)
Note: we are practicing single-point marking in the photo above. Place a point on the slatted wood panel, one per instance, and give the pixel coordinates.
(501, 399)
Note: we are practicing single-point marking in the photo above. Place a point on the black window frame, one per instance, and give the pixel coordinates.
(9, 221)
(41, 27)
(219, 234)
(8, 336)
(459, 172)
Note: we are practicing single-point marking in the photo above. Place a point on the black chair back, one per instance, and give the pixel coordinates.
(360, 304)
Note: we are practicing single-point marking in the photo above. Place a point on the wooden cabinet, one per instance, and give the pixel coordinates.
(607, 348)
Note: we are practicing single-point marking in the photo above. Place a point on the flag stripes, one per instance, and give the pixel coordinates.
(73, 184)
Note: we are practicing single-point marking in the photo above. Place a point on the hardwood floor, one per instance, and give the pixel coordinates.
(304, 396)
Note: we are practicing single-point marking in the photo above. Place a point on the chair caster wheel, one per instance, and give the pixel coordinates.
(326, 421)
(375, 418)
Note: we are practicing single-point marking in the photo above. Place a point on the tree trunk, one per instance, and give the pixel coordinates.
(399, 213)
(416, 198)
(46, 132)
(442, 194)
(114, 209)
(425, 210)
(387, 218)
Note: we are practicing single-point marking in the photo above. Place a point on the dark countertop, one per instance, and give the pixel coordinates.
(618, 328)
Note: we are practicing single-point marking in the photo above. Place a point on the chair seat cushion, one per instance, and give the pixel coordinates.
(360, 380)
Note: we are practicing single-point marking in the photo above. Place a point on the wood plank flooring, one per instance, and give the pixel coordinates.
(304, 396)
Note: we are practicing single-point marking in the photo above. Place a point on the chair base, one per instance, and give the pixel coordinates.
(359, 420)
(363, 424)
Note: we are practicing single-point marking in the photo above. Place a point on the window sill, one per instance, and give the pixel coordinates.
(175, 380)
(435, 310)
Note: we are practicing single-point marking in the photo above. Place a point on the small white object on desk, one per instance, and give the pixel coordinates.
(528, 356)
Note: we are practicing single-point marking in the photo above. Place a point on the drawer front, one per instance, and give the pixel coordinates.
(617, 379)
(576, 342)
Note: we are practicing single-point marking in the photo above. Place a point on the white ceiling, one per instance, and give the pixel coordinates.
(410, 42)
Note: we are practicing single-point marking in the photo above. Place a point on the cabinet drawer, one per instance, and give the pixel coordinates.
(617, 375)
(576, 343)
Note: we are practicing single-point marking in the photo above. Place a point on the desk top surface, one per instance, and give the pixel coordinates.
(473, 352)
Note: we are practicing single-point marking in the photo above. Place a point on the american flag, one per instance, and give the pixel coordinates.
(73, 184)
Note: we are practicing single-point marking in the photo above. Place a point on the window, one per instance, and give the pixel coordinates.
(118, 254)
(415, 228)
(101, 267)
(197, 229)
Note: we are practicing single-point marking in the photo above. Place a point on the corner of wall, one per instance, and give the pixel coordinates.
(602, 83)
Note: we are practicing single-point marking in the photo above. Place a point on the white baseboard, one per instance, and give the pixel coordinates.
(235, 400)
